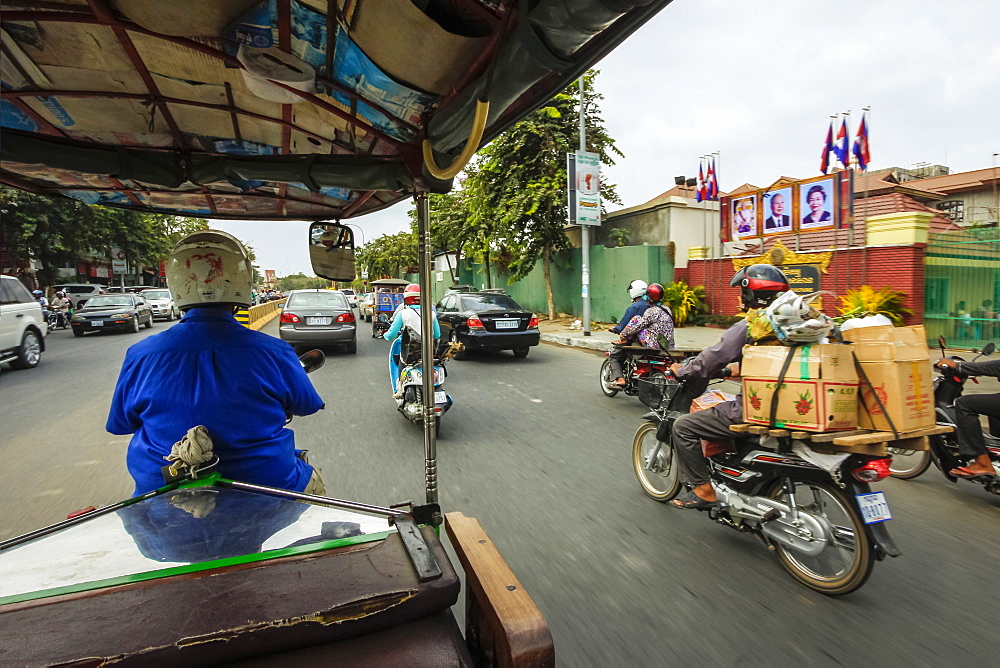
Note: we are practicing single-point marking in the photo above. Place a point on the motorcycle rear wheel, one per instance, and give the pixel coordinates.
(607, 379)
(908, 464)
(661, 481)
(847, 563)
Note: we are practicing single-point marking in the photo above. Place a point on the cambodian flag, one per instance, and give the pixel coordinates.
(861, 145)
(700, 195)
(713, 182)
(824, 157)
(841, 148)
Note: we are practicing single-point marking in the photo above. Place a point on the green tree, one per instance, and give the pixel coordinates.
(518, 186)
(450, 225)
(389, 255)
(300, 282)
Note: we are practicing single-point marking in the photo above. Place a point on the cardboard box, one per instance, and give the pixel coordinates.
(819, 391)
(897, 363)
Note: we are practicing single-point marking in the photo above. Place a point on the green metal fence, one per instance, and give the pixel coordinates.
(962, 287)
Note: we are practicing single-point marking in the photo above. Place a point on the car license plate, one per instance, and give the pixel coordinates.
(97, 323)
(873, 507)
(507, 324)
(317, 321)
(440, 397)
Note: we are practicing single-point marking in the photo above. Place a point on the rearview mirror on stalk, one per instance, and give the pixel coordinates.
(989, 349)
(331, 251)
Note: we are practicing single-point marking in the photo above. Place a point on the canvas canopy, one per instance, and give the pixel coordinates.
(277, 109)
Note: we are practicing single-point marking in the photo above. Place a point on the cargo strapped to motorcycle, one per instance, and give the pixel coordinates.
(878, 400)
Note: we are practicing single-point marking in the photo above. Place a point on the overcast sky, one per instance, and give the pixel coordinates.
(757, 80)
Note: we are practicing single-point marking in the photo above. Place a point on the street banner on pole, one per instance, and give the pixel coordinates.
(118, 264)
(584, 176)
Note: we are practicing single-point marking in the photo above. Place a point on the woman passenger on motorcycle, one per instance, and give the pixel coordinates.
(657, 321)
(759, 285)
(210, 370)
(968, 408)
(637, 291)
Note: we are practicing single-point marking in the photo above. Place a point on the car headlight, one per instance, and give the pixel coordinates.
(78, 318)
(123, 314)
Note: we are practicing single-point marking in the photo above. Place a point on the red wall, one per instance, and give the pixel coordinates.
(897, 267)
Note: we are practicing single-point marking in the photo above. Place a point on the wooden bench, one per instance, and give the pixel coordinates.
(859, 441)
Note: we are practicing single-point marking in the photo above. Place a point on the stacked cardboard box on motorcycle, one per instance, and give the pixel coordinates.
(814, 386)
(896, 386)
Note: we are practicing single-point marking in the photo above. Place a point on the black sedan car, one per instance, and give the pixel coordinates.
(109, 312)
(487, 321)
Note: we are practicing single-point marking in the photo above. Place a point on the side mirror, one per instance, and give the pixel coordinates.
(989, 348)
(331, 251)
(312, 360)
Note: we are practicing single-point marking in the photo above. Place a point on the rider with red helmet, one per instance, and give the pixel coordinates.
(759, 285)
(656, 322)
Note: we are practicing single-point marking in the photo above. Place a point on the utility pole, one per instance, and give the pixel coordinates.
(585, 231)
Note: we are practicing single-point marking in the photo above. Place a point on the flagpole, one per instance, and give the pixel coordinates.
(715, 176)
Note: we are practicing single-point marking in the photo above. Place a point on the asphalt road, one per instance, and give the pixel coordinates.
(536, 453)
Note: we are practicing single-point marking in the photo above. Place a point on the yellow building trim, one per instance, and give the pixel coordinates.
(698, 252)
(781, 254)
(898, 229)
(961, 262)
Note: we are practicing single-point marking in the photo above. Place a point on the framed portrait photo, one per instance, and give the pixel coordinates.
(818, 203)
(777, 211)
(744, 217)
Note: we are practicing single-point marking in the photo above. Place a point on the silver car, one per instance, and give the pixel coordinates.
(319, 318)
(162, 303)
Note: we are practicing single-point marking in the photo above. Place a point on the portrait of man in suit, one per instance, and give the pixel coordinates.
(779, 220)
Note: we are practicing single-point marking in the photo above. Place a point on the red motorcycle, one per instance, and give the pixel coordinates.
(640, 363)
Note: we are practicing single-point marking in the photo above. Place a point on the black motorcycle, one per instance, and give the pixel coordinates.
(56, 319)
(826, 526)
(944, 453)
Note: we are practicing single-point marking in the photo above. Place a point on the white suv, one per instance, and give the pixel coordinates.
(162, 303)
(22, 325)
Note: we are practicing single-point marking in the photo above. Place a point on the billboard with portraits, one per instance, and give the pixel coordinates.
(744, 217)
(778, 206)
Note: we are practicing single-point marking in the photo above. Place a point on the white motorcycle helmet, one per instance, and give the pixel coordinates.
(209, 267)
(637, 289)
(794, 319)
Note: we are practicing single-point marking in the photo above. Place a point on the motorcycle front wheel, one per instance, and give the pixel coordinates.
(657, 477)
(908, 464)
(848, 559)
(607, 380)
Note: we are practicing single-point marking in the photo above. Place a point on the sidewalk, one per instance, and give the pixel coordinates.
(558, 331)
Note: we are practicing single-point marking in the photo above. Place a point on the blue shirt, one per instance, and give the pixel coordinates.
(210, 370)
(397, 322)
(637, 308)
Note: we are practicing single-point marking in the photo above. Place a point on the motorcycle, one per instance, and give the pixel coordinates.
(944, 452)
(640, 363)
(406, 382)
(56, 318)
(817, 514)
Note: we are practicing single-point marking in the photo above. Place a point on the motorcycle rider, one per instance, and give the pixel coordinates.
(657, 321)
(61, 305)
(407, 317)
(637, 291)
(968, 408)
(209, 370)
(759, 285)
(40, 298)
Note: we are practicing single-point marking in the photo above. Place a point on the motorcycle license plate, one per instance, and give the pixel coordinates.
(874, 507)
(97, 323)
(440, 397)
(507, 324)
(317, 321)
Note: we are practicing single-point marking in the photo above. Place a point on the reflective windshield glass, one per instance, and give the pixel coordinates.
(155, 294)
(177, 528)
(109, 300)
(487, 302)
(334, 299)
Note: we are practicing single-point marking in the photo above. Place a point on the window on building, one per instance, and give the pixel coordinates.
(936, 294)
(954, 209)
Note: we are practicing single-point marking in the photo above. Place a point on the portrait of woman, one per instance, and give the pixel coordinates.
(815, 202)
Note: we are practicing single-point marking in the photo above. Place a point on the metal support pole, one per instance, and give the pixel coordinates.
(427, 345)
(585, 233)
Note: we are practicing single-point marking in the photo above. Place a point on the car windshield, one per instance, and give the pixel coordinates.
(348, 292)
(487, 302)
(334, 299)
(156, 294)
(109, 300)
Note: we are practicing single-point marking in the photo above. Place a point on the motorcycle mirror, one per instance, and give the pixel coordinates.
(312, 360)
(989, 349)
(943, 345)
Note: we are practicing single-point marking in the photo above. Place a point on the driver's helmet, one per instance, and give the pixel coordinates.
(207, 268)
(637, 289)
(38, 293)
(759, 284)
(654, 292)
(411, 294)
(60, 294)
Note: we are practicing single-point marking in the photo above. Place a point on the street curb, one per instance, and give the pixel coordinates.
(577, 342)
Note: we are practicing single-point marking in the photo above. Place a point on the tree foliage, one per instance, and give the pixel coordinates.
(300, 282)
(389, 255)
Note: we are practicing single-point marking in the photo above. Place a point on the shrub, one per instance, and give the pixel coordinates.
(866, 300)
(618, 235)
(684, 301)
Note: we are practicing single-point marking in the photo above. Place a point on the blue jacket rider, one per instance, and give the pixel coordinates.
(210, 370)
(637, 291)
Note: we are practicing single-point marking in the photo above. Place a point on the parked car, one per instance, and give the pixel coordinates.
(319, 318)
(488, 321)
(108, 312)
(352, 298)
(161, 303)
(79, 293)
(22, 325)
(367, 306)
